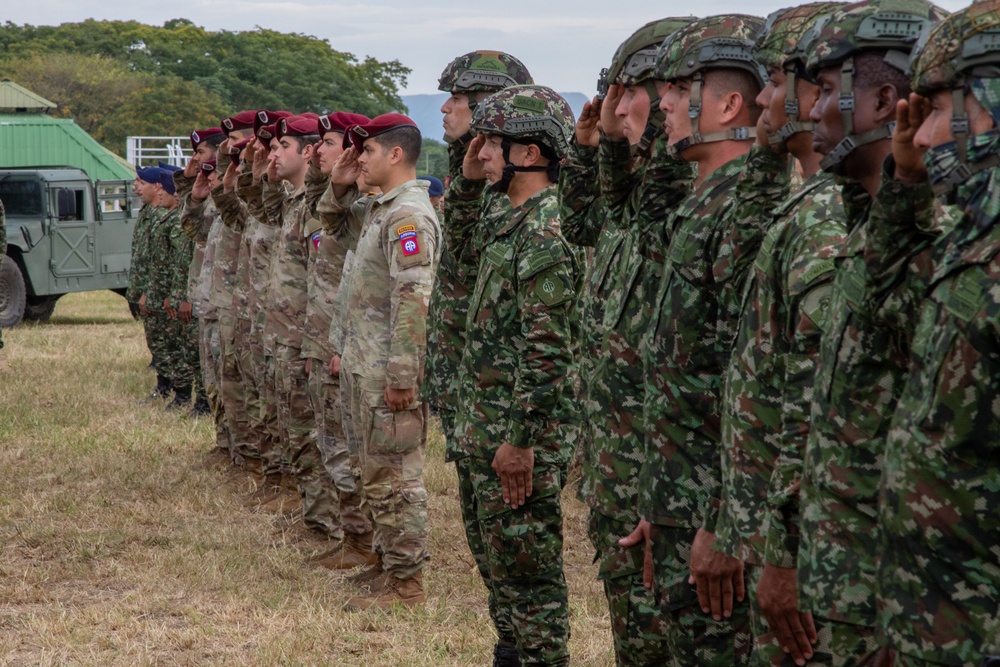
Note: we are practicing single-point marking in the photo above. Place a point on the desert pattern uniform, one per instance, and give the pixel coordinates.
(384, 341)
(284, 321)
(327, 251)
(191, 330)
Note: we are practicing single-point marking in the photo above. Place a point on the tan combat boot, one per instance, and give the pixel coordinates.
(287, 500)
(266, 491)
(394, 592)
(357, 551)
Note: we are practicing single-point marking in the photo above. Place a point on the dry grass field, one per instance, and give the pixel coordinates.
(119, 547)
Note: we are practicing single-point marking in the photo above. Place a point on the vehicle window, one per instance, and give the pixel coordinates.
(21, 197)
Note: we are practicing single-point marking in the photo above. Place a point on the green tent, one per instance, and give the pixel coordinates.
(30, 138)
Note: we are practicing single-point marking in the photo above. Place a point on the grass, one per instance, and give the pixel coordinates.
(118, 547)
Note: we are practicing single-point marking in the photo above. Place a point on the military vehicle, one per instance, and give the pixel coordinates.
(65, 234)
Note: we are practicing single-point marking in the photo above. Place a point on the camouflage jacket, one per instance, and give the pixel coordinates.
(688, 346)
(768, 384)
(236, 217)
(390, 284)
(170, 257)
(3, 243)
(518, 353)
(327, 250)
(140, 245)
(935, 269)
(625, 274)
(856, 385)
(261, 249)
(450, 299)
(227, 249)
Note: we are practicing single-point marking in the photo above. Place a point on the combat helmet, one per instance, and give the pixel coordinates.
(634, 63)
(784, 44)
(483, 72)
(890, 26)
(527, 115)
(717, 42)
(963, 47)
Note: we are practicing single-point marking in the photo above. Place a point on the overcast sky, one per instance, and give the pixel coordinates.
(564, 43)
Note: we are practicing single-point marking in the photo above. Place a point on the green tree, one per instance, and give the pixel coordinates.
(433, 159)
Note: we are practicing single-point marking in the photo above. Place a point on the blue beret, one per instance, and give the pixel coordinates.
(168, 167)
(437, 187)
(167, 181)
(149, 174)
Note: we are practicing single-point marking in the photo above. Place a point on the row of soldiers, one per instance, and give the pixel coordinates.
(750, 289)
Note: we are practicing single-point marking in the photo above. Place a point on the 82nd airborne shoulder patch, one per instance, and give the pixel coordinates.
(408, 240)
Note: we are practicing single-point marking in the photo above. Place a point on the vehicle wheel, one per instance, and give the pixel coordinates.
(12, 294)
(39, 308)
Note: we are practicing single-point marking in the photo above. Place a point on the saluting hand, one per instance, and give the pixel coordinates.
(588, 126)
(346, 170)
(202, 189)
(611, 124)
(909, 157)
(229, 178)
(472, 166)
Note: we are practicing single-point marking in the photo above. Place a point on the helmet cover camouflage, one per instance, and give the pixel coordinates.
(964, 46)
(635, 60)
(716, 42)
(483, 71)
(784, 30)
(527, 113)
(893, 26)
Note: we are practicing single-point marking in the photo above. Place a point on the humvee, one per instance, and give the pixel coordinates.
(64, 234)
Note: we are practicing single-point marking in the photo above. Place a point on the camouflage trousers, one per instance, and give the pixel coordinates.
(694, 637)
(153, 326)
(342, 473)
(273, 443)
(638, 624)
(185, 348)
(524, 564)
(247, 365)
(231, 386)
(211, 355)
(392, 473)
(296, 423)
(477, 546)
(837, 644)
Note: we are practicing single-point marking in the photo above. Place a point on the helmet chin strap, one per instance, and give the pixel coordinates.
(963, 170)
(509, 169)
(850, 140)
(792, 124)
(654, 124)
(694, 113)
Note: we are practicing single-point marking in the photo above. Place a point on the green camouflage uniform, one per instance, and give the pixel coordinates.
(384, 339)
(3, 243)
(284, 322)
(170, 256)
(139, 267)
(938, 581)
(859, 372)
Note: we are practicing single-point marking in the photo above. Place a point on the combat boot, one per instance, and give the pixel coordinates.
(182, 398)
(407, 592)
(201, 407)
(357, 551)
(506, 656)
(161, 390)
(369, 573)
(286, 500)
(254, 470)
(266, 491)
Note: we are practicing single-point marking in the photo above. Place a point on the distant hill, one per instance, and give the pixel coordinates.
(425, 110)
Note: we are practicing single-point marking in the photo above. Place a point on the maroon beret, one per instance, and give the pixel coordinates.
(357, 134)
(208, 166)
(297, 126)
(240, 121)
(267, 132)
(265, 117)
(199, 136)
(340, 121)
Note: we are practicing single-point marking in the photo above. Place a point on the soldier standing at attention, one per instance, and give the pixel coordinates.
(638, 182)
(469, 79)
(859, 60)
(767, 393)
(147, 187)
(385, 334)
(710, 119)
(3, 240)
(516, 386)
(938, 578)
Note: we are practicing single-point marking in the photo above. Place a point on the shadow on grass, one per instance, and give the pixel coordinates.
(77, 320)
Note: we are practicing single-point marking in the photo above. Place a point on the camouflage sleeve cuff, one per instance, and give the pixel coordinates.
(252, 194)
(191, 220)
(614, 159)
(710, 514)
(274, 201)
(781, 547)
(521, 431)
(183, 184)
(230, 209)
(316, 184)
(222, 162)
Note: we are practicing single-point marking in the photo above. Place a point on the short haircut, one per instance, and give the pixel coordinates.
(304, 140)
(731, 80)
(215, 140)
(406, 137)
(871, 71)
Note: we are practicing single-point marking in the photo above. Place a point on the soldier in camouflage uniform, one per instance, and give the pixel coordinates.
(634, 191)
(287, 297)
(859, 57)
(938, 579)
(327, 251)
(688, 341)
(469, 79)
(387, 292)
(768, 384)
(514, 424)
(147, 187)
(3, 242)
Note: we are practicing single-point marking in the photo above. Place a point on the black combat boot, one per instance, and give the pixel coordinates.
(161, 390)
(182, 399)
(201, 407)
(506, 656)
